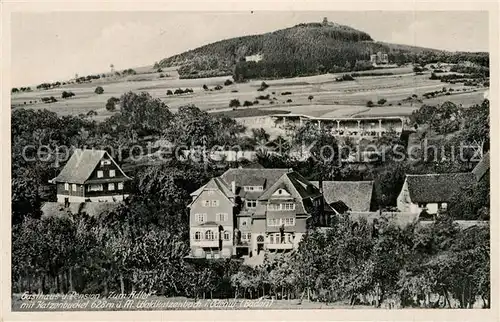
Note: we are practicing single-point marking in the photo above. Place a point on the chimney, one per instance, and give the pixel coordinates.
(320, 184)
(233, 187)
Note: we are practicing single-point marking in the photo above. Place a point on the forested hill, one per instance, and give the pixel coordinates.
(304, 49)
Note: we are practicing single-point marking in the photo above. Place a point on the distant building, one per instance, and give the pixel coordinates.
(91, 176)
(379, 59)
(355, 195)
(256, 58)
(253, 211)
(431, 192)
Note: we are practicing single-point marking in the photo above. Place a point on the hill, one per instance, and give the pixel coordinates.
(305, 49)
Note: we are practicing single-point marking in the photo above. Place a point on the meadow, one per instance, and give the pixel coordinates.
(319, 95)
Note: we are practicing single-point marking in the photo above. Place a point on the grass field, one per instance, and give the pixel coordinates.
(330, 98)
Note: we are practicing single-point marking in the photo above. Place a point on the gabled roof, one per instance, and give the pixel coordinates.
(215, 184)
(80, 166)
(294, 183)
(482, 167)
(252, 177)
(432, 188)
(356, 195)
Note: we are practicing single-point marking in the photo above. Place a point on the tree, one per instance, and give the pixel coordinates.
(169, 92)
(67, 94)
(15, 90)
(381, 101)
(111, 103)
(246, 103)
(228, 82)
(369, 104)
(310, 98)
(205, 87)
(234, 103)
(99, 90)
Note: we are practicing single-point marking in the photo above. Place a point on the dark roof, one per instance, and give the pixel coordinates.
(482, 167)
(433, 188)
(339, 206)
(252, 177)
(356, 195)
(80, 166)
(294, 180)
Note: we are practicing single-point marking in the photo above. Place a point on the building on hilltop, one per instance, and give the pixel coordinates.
(252, 211)
(91, 176)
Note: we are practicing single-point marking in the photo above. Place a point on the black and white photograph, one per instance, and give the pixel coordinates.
(249, 160)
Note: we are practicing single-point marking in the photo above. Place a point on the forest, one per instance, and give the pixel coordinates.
(302, 50)
(142, 244)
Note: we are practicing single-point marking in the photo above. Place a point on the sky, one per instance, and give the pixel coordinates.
(47, 47)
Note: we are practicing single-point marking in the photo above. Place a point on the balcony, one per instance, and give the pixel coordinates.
(280, 246)
(205, 243)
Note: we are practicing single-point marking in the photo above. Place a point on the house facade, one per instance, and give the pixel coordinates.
(247, 212)
(431, 192)
(91, 176)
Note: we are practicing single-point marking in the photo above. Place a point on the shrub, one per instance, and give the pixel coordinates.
(188, 90)
(228, 82)
(234, 91)
(310, 98)
(159, 70)
(67, 94)
(381, 101)
(274, 93)
(169, 92)
(99, 90)
(286, 93)
(418, 69)
(234, 103)
(289, 100)
(178, 91)
(263, 97)
(111, 104)
(369, 104)
(399, 104)
(247, 103)
(345, 77)
(205, 87)
(161, 75)
(263, 86)
(255, 102)
(218, 88)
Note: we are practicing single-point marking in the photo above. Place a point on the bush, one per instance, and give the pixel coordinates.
(234, 91)
(369, 104)
(263, 86)
(161, 75)
(178, 91)
(188, 90)
(381, 101)
(234, 103)
(159, 70)
(286, 93)
(205, 87)
(247, 103)
(111, 104)
(345, 77)
(99, 90)
(218, 88)
(255, 102)
(169, 92)
(67, 94)
(228, 82)
(289, 100)
(310, 98)
(263, 97)
(418, 69)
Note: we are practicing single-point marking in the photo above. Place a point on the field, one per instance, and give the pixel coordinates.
(329, 97)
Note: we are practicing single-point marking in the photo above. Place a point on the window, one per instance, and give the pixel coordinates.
(209, 235)
(260, 239)
(253, 188)
(200, 218)
(111, 186)
(74, 187)
(206, 203)
(100, 174)
(249, 236)
(112, 173)
(66, 186)
(120, 185)
(95, 187)
(215, 203)
(289, 221)
(244, 222)
(290, 238)
(227, 235)
(271, 239)
(281, 206)
(444, 205)
(105, 162)
(251, 203)
(197, 235)
(273, 222)
(222, 217)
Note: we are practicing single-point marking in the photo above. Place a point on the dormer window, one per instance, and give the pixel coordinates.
(112, 173)
(253, 188)
(105, 162)
(100, 173)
